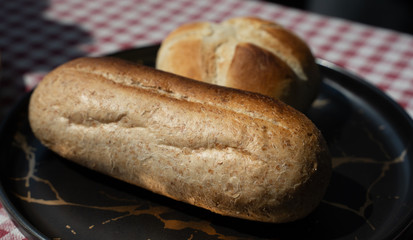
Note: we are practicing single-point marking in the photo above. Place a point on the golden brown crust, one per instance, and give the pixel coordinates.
(264, 60)
(233, 152)
(218, 45)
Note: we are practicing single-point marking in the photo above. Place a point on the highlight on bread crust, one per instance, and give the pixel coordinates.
(246, 53)
(233, 152)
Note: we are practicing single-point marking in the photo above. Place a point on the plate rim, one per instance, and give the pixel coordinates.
(31, 232)
(19, 220)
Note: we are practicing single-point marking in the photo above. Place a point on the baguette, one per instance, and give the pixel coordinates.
(233, 152)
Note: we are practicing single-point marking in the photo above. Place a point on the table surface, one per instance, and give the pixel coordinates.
(37, 36)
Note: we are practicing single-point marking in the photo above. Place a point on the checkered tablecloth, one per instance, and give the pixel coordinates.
(36, 36)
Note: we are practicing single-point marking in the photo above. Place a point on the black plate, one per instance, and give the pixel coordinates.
(370, 195)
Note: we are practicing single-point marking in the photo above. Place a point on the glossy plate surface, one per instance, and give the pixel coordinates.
(370, 195)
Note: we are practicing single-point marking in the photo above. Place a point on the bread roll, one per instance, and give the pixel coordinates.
(235, 153)
(245, 53)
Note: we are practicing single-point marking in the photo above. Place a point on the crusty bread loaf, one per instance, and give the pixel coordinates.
(235, 153)
(245, 53)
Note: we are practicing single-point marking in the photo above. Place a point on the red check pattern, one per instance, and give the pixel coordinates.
(36, 36)
(7, 229)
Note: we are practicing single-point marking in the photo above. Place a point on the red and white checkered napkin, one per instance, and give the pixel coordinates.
(36, 36)
(7, 229)
(46, 34)
(382, 57)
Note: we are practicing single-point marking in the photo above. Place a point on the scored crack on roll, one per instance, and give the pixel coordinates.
(246, 53)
